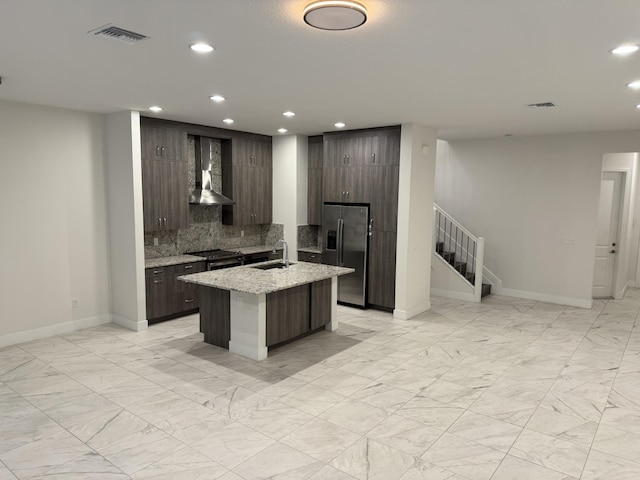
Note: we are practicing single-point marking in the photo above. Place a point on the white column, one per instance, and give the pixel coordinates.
(415, 220)
(248, 325)
(126, 228)
(290, 167)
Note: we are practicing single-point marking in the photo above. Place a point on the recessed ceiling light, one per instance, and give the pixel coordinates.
(638, 106)
(217, 98)
(228, 121)
(623, 50)
(155, 108)
(289, 113)
(201, 47)
(282, 130)
(635, 85)
(340, 125)
(335, 14)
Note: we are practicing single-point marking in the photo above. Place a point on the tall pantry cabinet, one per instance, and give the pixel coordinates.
(362, 166)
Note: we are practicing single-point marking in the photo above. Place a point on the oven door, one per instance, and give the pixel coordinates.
(224, 263)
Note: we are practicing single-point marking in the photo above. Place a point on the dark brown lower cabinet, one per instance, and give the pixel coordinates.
(167, 297)
(215, 315)
(309, 257)
(290, 313)
(381, 287)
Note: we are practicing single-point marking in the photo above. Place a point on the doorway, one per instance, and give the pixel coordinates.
(607, 243)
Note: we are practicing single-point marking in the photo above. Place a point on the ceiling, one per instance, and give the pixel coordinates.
(465, 67)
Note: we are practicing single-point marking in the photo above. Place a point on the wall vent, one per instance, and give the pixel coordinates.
(541, 105)
(117, 33)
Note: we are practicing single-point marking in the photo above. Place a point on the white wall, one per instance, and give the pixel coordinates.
(415, 222)
(526, 194)
(126, 224)
(53, 246)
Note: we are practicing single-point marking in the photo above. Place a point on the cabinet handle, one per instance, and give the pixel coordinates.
(373, 158)
(165, 222)
(157, 150)
(162, 152)
(347, 195)
(159, 222)
(156, 272)
(188, 267)
(189, 300)
(371, 227)
(159, 280)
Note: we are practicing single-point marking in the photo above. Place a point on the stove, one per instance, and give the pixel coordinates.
(217, 259)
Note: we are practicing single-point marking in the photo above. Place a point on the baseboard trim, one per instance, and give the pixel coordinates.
(467, 297)
(543, 297)
(620, 295)
(130, 324)
(409, 314)
(52, 330)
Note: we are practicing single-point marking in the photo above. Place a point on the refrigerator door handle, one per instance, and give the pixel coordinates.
(340, 246)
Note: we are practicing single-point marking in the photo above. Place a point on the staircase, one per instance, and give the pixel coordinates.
(461, 250)
(461, 268)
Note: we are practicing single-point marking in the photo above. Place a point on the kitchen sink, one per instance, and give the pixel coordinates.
(271, 266)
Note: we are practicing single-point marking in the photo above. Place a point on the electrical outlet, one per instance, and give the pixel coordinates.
(155, 241)
(567, 242)
(74, 303)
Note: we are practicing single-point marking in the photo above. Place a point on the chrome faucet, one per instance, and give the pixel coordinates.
(285, 252)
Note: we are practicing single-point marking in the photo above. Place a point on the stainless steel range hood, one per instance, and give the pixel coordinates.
(204, 193)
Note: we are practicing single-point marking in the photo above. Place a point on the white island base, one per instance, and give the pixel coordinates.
(249, 322)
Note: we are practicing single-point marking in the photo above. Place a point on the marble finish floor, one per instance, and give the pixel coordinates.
(503, 390)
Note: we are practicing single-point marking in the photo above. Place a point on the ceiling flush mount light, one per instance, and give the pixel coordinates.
(155, 108)
(217, 98)
(282, 130)
(335, 15)
(623, 50)
(635, 85)
(228, 121)
(340, 125)
(201, 47)
(289, 114)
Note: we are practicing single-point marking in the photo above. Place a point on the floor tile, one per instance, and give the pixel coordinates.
(566, 427)
(233, 445)
(550, 452)
(370, 460)
(603, 466)
(617, 442)
(464, 457)
(281, 462)
(513, 468)
(354, 415)
(486, 431)
(321, 440)
(405, 434)
(430, 412)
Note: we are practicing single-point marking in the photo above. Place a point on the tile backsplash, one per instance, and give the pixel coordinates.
(205, 229)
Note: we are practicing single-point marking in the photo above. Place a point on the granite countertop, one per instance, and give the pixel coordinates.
(310, 249)
(168, 261)
(248, 279)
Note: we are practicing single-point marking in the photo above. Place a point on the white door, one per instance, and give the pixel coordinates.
(607, 242)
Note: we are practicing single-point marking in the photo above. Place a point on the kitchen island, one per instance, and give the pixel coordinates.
(251, 308)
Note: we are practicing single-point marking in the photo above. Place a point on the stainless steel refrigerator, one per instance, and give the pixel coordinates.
(345, 233)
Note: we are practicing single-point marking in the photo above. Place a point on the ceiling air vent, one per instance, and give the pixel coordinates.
(541, 105)
(117, 33)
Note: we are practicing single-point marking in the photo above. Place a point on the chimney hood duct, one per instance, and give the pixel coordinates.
(203, 193)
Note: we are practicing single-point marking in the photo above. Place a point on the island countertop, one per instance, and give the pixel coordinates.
(249, 279)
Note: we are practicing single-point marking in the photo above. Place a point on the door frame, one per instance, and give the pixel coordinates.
(611, 164)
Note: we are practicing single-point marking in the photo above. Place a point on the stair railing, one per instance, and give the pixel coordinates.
(467, 249)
